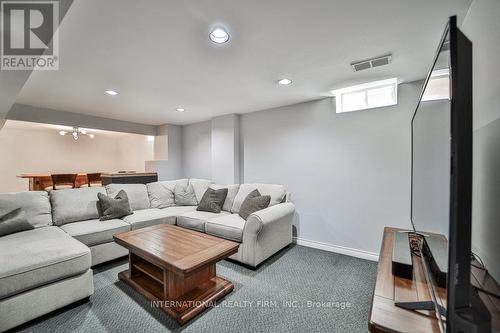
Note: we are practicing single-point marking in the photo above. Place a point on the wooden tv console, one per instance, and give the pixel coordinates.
(386, 317)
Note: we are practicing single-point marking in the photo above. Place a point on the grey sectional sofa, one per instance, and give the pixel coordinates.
(50, 266)
(41, 269)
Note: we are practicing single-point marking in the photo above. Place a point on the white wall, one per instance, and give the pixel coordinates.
(349, 174)
(196, 150)
(482, 26)
(161, 147)
(225, 149)
(28, 151)
(431, 168)
(133, 150)
(169, 150)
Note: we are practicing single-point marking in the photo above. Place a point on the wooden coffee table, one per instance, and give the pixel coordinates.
(175, 268)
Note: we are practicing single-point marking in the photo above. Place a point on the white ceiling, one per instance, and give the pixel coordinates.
(157, 54)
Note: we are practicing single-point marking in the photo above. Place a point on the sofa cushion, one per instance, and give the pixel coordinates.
(14, 221)
(137, 194)
(232, 190)
(161, 194)
(113, 208)
(199, 186)
(35, 204)
(212, 200)
(148, 217)
(196, 220)
(75, 205)
(184, 195)
(277, 193)
(37, 257)
(175, 211)
(94, 232)
(228, 226)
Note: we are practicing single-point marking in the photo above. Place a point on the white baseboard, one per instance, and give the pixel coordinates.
(336, 248)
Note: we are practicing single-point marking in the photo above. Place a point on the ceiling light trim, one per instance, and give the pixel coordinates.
(219, 35)
(111, 92)
(285, 82)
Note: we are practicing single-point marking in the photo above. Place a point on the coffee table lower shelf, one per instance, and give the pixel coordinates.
(187, 305)
(175, 268)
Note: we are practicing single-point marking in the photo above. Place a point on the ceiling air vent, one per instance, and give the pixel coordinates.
(370, 63)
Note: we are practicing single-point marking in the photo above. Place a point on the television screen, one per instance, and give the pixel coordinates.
(431, 135)
(431, 156)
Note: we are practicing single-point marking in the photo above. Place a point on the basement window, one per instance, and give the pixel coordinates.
(367, 96)
(438, 86)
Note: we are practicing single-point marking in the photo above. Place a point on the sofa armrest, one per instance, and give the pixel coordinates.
(258, 220)
(266, 232)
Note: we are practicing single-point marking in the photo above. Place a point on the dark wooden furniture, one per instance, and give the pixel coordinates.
(175, 268)
(129, 178)
(94, 178)
(386, 317)
(39, 182)
(63, 179)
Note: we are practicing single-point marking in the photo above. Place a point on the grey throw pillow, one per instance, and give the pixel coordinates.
(184, 195)
(14, 221)
(213, 200)
(253, 202)
(113, 208)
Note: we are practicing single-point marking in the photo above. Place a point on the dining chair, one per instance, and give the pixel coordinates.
(62, 181)
(93, 179)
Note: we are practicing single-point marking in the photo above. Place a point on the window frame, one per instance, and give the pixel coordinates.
(365, 87)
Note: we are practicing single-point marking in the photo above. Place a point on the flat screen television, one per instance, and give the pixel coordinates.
(441, 196)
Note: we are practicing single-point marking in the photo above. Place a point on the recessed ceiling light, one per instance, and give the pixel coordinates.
(63, 132)
(111, 92)
(284, 82)
(219, 36)
(180, 109)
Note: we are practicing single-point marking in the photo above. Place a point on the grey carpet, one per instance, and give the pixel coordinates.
(274, 298)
